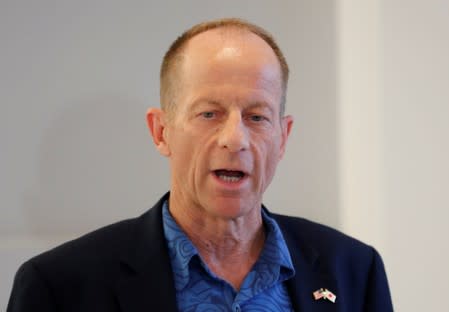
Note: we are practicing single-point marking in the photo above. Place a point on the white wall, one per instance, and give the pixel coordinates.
(416, 118)
(393, 108)
(369, 92)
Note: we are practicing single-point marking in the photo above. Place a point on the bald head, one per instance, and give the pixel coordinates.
(225, 38)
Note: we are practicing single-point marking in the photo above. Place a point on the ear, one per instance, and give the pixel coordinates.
(286, 127)
(156, 119)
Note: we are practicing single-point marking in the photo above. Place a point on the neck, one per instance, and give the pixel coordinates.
(229, 246)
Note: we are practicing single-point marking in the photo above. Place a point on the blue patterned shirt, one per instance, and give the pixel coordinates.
(199, 289)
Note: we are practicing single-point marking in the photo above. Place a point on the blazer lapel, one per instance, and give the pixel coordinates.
(309, 275)
(146, 282)
(306, 281)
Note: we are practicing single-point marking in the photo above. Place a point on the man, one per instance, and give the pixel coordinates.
(209, 244)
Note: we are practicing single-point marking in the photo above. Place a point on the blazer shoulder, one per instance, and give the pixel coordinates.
(322, 238)
(99, 251)
(91, 267)
(90, 248)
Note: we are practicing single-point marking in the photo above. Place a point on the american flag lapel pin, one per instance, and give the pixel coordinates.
(325, 294)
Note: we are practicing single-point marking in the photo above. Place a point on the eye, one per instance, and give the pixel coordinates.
(207, 115)
(257, 118)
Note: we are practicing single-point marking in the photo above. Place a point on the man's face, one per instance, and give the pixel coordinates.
(226, 136)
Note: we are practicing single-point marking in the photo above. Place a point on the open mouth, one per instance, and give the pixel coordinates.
(231, 176)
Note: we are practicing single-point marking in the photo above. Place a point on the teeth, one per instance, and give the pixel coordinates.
(229, 179)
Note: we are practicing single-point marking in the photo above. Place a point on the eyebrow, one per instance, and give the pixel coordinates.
(261, 105)
(202, 101)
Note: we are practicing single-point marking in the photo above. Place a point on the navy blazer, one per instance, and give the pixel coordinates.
(126, 267)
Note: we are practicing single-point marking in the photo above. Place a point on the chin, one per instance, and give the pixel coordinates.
(229, 208)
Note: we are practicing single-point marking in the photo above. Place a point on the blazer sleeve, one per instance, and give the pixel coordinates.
(378, 298)
(30, 292)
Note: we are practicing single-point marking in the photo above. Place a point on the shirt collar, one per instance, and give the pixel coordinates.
(275, 251)
(182, 250)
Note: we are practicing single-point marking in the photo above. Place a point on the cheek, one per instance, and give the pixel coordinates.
(187, 152)
(268, 156)
(180, 148)
(270, 144)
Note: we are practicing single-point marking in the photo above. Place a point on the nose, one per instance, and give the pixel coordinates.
(234, 135)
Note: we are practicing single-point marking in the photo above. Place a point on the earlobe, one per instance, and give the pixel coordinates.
(157, 126)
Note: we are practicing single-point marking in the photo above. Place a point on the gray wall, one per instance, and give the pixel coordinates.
(76, 79)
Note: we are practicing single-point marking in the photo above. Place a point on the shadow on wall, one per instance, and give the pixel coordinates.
(307, 181)
(94, 168)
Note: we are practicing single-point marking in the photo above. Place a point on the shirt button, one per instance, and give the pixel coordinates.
(237, 308)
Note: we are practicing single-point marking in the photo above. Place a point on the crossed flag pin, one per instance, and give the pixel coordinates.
(325, 294)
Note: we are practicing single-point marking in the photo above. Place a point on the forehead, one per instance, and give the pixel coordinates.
(230, 58)
(229, 42)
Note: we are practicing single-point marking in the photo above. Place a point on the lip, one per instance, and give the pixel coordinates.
(231, 185)
(231, 169)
